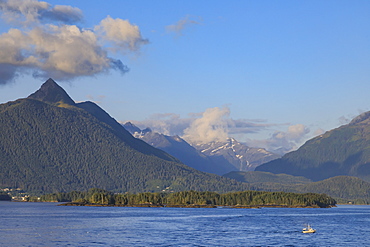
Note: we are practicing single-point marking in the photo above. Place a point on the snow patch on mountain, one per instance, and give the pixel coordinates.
(242, 157)
(216, 156)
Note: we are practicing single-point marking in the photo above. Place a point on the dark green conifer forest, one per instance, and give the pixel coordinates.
(344, 151)
(193, 198)
(50, 144)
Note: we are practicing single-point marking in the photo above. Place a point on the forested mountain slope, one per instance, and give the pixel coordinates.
(50, 144)
(345, 187)
(342, 151)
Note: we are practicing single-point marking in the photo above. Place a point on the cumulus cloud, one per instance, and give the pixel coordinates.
(63, 13)
(28, 12)
(296, 132)
(61, 52)
(57, 49)
(121, 33)
(182, 24)
(215, 124)
(282, 142)
(212, 126)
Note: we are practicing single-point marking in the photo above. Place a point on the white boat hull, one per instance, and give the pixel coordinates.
(308, 229)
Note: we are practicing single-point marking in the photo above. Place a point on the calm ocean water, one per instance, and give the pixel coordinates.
(45, 224)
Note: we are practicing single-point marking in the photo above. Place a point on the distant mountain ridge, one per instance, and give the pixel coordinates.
(180, 149)
(48, 143)
(242, 157)
(341, 151)
(215, 157)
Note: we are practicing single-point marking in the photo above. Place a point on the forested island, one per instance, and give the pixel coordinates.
(243, 199)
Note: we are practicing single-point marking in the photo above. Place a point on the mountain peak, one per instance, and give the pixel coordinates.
(362, 118)
(132, 128)
(51, 92)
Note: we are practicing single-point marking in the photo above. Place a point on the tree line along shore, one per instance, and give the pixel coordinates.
(243, 199)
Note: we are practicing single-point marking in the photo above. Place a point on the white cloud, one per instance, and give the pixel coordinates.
(62, 52)
(121, 33)
(215, 124)
(182, 24)
(27, 12)
(57, 49)
(296, 132)
(63, 13)
(212, 126)
(282, 142)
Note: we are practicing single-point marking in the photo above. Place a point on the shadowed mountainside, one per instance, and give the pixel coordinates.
(341, 151)
(50, 144)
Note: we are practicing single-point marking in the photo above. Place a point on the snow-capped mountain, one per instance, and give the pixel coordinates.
(215, 157)
(242, 157)
(180, 149)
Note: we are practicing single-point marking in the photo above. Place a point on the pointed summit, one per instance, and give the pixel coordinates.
(51, 92)
(132, 128)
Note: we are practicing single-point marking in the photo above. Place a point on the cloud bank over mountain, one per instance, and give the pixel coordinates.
(215, 124)
(49, 42)
(282, 142)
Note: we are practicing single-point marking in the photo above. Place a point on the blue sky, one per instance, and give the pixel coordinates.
(270, 73)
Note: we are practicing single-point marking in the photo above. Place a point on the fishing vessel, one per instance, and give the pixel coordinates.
(308, 229)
